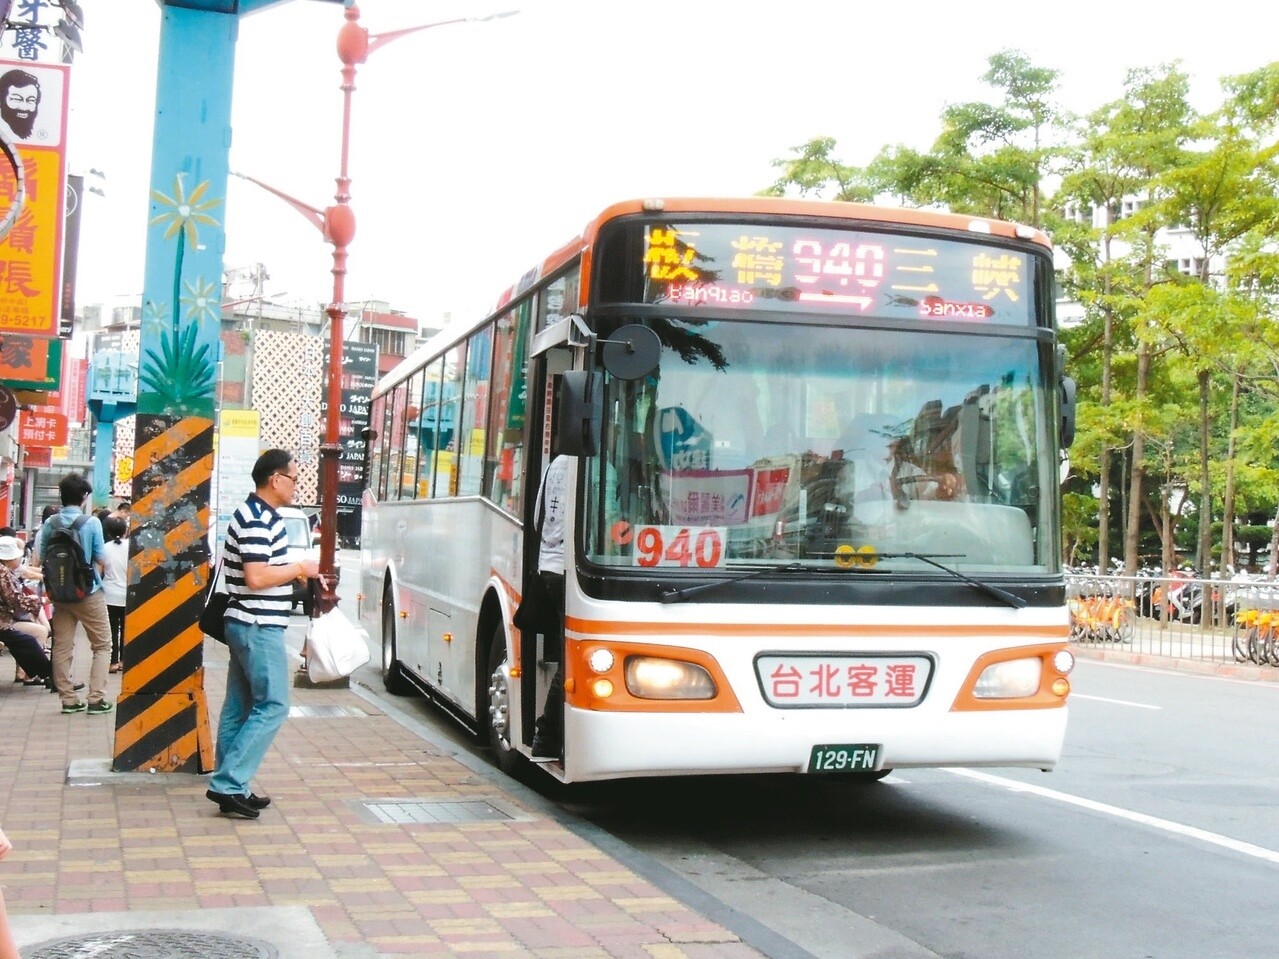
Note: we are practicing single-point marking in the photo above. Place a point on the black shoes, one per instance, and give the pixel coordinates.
(546, 749)
(232, 805)
(258, 802)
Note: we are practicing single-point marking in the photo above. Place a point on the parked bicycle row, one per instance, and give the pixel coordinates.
(1179, 615)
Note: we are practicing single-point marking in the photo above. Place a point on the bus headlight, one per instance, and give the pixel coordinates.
(648, 677)
(1011, 679)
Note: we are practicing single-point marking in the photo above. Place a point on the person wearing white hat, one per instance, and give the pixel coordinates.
(19, 613)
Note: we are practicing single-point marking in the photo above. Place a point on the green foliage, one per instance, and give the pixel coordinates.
(1164, 356)
(180, 379)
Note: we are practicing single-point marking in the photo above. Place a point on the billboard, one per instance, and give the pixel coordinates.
(33, 109)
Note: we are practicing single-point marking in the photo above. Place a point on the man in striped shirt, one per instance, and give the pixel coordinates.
(260, 581)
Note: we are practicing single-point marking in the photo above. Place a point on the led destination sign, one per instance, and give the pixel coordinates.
(799, 269)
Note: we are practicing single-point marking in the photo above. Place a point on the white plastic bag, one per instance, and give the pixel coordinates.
(334, 648)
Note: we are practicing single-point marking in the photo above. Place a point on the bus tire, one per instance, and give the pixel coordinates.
(393, 678)
(497, 722)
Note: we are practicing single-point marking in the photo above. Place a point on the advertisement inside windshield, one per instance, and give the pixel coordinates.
(803, 269)
(759, 444)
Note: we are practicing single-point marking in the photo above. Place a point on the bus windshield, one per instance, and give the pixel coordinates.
(764, 443)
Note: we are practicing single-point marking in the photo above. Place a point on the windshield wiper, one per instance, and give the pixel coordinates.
(1001, 594)
(680, 595)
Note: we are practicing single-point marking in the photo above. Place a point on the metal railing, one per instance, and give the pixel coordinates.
(1215, 620)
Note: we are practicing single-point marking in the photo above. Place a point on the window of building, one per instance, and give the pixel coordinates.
(387, 341)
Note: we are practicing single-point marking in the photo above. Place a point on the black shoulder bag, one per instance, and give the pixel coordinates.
(213, 616)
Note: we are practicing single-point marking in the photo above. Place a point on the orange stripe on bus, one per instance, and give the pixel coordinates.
(602, 627)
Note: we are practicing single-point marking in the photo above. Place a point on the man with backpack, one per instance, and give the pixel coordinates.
(69, 545)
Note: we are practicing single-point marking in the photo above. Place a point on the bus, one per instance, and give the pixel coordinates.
(813, 500)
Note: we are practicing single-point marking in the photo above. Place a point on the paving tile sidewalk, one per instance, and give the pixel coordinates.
(511, 882)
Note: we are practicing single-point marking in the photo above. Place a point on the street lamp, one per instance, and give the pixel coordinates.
(337, 223)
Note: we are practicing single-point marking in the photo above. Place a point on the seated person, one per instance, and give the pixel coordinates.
(21, 610)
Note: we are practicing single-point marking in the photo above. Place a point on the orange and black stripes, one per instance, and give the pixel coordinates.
(162, 718)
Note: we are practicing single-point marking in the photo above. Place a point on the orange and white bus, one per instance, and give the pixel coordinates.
(813, 517)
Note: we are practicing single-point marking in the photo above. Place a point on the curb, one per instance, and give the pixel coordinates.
(1199, 667)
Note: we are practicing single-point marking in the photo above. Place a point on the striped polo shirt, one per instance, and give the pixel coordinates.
(256, 535)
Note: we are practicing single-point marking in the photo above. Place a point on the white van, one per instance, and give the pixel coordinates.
(298, 529)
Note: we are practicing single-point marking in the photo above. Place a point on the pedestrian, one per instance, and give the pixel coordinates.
(115, 582)
(259, 579)
(8, 947)
(90, 611)
(20, 627)
(548, 731)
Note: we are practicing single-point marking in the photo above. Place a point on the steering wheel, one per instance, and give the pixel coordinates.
(949, 485)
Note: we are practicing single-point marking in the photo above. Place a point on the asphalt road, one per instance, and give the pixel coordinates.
(1157, 836)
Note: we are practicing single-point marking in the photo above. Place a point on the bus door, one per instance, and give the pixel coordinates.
(538, 662)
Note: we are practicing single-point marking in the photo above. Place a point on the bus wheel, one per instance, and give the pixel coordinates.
(393, 678)
(499, 705)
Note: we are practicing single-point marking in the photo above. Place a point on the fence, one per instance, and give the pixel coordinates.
(1215, 620)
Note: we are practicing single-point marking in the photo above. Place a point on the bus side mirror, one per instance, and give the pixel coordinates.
(581, 411)
(1068, 391)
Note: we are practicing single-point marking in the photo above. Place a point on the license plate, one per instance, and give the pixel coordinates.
(846, 758)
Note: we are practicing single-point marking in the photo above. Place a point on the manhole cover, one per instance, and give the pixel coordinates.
(152, 944)
(325, 711)
(419, 811)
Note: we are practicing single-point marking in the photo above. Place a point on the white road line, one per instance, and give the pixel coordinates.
(1117, 702)
(1167, 825)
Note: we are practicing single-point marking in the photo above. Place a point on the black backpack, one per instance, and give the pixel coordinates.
(68, 577)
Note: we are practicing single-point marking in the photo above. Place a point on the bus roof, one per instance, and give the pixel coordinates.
(773, 206)
(719, 206)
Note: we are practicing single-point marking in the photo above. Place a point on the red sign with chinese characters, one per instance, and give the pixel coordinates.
(843, 679)
(31, 253)
(42, 427)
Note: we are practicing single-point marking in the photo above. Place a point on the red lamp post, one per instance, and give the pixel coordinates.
(337, 223)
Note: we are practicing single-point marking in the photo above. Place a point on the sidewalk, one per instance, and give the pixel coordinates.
(380, 840)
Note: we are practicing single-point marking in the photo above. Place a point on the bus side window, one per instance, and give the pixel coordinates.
(445, 482)
(506, 428)
(473, 427)
(397, 414)
(374, 445)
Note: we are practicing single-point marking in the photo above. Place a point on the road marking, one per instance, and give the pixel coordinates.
(1167, 825)
(1117, 702)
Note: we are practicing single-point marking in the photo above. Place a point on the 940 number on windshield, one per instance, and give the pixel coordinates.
(686, 547)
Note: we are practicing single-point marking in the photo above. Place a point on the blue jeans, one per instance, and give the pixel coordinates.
(256, 704)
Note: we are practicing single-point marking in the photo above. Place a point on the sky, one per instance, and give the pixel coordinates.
(479, 148)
